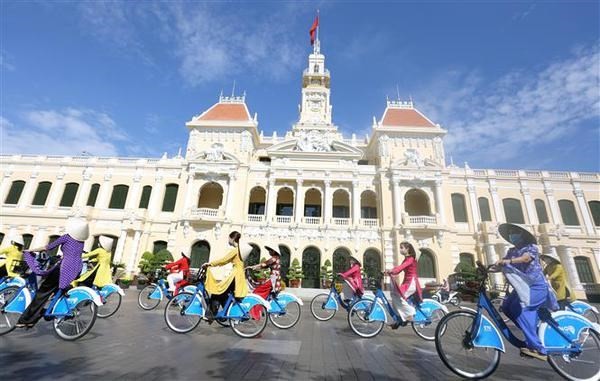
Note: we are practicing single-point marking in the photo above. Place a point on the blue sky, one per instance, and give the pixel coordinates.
(516, 84)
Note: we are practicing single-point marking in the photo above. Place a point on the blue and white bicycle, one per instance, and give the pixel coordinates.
(110, 294)
(324, 306)
(367, 316)
(470, 343)
(151, 295)
(186, 310)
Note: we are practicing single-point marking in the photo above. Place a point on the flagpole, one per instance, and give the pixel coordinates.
(319, 22)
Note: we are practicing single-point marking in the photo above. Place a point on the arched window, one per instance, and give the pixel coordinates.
(27, 238)
(1, 238)
(540, 210)
(200, 254)
(584, 270)
(311, 267)
(285, 261)
(513, 211)
(285, 202)
(211, 196)
(312, 203)
(416, 203)
(341, 260)
(51, 239)
(368, 204)
(118, 197)
(170, 198)
(341, 204)
(459, 207)
(568, 213)
(14, 194)
(91, 201)
(256, 205)
(69, 194)
(158, 246)
(145, 199)
(41, 193)
(372, 267)
(595, 209)
(484, 209)
(254, 256)
(426, 267)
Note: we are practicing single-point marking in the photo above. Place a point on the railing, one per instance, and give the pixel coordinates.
(536, 174)
(559, 175)
(340, 221)
(256, 218)
(312, 220)
(506, 173)
(588, 176)
(205, 212)
(283, 219)
(415, 220)
(369, 222)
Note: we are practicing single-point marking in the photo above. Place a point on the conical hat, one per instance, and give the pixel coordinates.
(18, 240)
(550, 257)
(506, 228)
(106, 242)
(274, 247)
(245, 250)
(78, 229)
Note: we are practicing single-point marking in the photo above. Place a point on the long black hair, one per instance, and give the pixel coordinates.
(409, 246)
(235, 236)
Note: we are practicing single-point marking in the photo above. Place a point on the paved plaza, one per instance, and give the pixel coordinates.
(137, 345)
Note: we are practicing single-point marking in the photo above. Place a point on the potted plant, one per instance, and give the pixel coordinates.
(326, 274)
(150, 262)
(261, 274)
(118, 270)
(141, 280)
(295, 274)
(124, 282)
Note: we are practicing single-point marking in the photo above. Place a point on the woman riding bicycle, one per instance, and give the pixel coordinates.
(271, 285)
(555, 272)
(522, 268)
(410, 285)
(179, 269)
(101, 274)
(235, 282)
(58, 277)
(353, 283)
(13, 255)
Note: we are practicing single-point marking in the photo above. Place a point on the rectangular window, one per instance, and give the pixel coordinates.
(145, 199)
(68, 197)
(341, 212)
(285, 210)
(540, 209)
(484, 209)
(312, 210)
(119, 197)
(91, 201)
(170, 197)
(256, 208)
(27, 238)
(368, 212)
(14, 194)
(41, 194)
(568, 213)
(584, 270)
(513, 211)
(459, 207)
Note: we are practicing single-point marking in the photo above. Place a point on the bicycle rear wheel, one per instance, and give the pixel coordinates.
(459, 355)
(583, 366)
(175, 317)
(249, 327)
(359, 322)
(318, 310)
(75, 327)
(144, 300)
(591, 316)
(426, 331)
(288, 318)
(110, 306)
(8, 320)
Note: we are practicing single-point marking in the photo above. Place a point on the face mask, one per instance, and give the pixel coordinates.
(514, 238)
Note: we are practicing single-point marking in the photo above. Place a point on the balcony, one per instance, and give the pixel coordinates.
(422, 220)
(256, 218)
(369, 222)
(340, 221)
(208, 214)
(311, 220)
(283, 219)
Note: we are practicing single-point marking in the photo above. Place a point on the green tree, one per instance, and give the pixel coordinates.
(295, 271)
(150, 262)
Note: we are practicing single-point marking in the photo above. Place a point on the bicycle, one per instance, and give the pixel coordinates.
(186, 310)
(150, 296)
(325, 305)
(284, 308)
(73, 313)
(368, 316)
(110, 294)
(470, 344)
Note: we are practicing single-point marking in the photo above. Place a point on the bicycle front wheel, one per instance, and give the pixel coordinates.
(144, 300)
(8, 320)
(318, 310)
(249, 327)
(288, 318)
(359, 322)
(426, 330)
(582, 366)
(175, 316)
(79, 324)
(111, 304)
(591, 316)
(457, 353)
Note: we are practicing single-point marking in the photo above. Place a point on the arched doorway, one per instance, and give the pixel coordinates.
(341, 260)
(416, 203)
(311, 262)
(254, 256)
(372, 268)
(427, 268)
(200, 254)
(285, 261)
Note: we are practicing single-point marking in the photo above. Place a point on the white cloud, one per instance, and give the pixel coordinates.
(495, 121)
(67, 132)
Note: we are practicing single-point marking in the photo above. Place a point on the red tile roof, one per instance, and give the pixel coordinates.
(228, 112)
(405, 117)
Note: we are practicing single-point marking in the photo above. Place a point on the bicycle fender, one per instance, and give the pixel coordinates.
(16, 281)
(331, 303)
(111, 288)
(77, 294)
(190, 288)
(570, 323)
(285, 297)
(378, 312)
(20, 302)
(580, 307)
(157, 293)
(252, 300)
(488, 335)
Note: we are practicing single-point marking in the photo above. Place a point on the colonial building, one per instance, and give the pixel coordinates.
(318, 194)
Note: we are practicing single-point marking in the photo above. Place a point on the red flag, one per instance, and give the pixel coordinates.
(313, 30)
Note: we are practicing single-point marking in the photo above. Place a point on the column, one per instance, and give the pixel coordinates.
(299, 204)
(556, 219)
(474, 206)
(105, 191)
(439, 202)
(587, 219)
(271, 200)
(531, 214)
(120, 246)
(327, 202)
(189, 192)
(230, 193)
(55, 191)
(83, 193)
(133, 196)
(157, 192)
(6, 183)
(134, 251)
(27, 195)
(496, 201)
(40, 238)
(355, 203)
(566, 258)
(397, 203)
(596, 252)
(492, 257)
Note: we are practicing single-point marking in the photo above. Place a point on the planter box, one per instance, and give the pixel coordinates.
(294, 283)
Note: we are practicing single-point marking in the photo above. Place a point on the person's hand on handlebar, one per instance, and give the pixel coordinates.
(205, 265)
